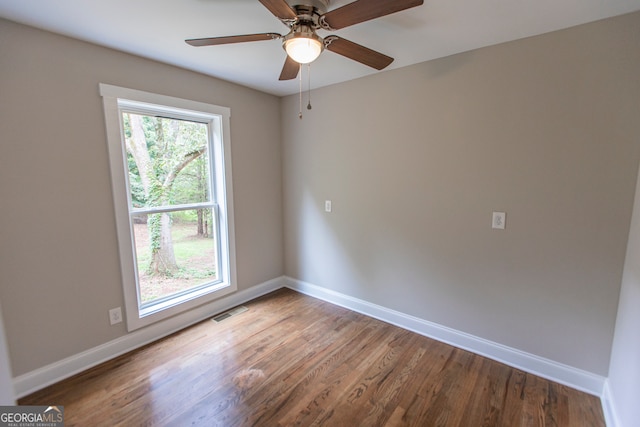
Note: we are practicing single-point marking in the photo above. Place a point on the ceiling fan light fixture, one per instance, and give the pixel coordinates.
(303, 50)
(303, 45)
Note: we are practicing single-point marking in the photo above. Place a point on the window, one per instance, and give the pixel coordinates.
(171, 177)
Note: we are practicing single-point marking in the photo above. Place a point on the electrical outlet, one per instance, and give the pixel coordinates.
(115, 316)
(327, 205)
(498, 221)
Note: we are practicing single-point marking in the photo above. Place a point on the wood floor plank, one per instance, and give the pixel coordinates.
(277, 372)
(292, 360)
(487, 406)
(362, 375)
(314, 390)
(378, 388)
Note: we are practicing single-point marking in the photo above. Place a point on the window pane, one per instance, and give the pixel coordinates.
(175, 252)
(168, 160)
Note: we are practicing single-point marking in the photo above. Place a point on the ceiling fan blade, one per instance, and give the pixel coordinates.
(364, 10)
(280, 8)
(359, 53)
(290, 69)
(211, 41)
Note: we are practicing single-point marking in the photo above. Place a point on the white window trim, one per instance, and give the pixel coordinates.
(224, 189)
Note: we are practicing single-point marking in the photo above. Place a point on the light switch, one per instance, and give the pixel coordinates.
(327, 205)
(498, 221)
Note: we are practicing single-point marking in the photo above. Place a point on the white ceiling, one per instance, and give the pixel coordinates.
(156, 29)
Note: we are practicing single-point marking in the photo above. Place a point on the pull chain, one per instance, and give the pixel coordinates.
(309, 86)
(300, 91)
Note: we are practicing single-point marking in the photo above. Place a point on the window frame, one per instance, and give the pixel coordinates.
(117, 99)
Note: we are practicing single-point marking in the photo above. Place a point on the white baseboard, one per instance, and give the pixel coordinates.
(608, 407)
(50, 374)
(549, 369)
(563, 374)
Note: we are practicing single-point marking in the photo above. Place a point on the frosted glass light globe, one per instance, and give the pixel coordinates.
(303, 50)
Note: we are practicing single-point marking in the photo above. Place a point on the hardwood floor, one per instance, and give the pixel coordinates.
(292, 360)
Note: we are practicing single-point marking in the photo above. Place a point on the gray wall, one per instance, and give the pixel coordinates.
(416, 159)
(624, 372)
(59, 258)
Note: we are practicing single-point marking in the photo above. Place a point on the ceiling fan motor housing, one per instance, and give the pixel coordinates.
(320, 7)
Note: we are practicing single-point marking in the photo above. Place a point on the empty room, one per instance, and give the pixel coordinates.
(312, 212)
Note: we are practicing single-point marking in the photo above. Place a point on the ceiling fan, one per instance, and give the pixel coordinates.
(303, 17)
